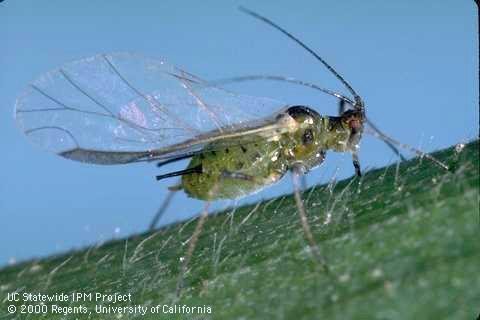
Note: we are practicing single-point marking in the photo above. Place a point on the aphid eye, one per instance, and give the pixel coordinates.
(297, 112)
(307, 137)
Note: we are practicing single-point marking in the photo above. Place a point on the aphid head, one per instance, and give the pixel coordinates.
(305, 148)
(353, 119)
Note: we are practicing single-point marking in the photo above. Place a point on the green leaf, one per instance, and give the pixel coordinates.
(402, 243)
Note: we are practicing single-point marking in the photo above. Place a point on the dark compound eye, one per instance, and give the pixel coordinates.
(307, 137)
(301, 111)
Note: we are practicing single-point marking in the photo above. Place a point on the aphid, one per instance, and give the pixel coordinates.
(124, 108)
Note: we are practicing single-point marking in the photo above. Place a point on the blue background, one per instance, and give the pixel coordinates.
(413, 62)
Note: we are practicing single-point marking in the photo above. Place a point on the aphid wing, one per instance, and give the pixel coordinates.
(103, 157)
(255, 132)
(119, 108)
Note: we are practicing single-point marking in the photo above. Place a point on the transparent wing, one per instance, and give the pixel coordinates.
(124, 107)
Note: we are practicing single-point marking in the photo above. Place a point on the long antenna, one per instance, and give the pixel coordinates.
(357, 98)
(358, 104)
(282, 79)
(377, 133)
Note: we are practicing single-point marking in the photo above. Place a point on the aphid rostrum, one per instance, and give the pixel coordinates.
(124, 108)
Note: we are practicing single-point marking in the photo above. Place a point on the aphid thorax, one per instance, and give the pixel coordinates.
(303, 147)
(315, 134)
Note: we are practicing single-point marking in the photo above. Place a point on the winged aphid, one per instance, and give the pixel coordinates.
(124, 108)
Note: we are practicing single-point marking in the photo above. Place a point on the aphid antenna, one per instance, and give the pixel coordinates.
(312, 86)
(356, 104)
(378, 134)
(358, 100)
(283, 79)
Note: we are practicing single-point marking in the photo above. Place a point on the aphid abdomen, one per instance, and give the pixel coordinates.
(234, 171)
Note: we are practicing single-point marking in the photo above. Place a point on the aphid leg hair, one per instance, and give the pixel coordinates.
(163, 208)
(296, 173)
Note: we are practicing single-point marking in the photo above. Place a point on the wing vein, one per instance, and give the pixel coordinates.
(203, 105)
(152, 101)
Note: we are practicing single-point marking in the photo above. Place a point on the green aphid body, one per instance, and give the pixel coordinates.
(230, 170)
(236, 169)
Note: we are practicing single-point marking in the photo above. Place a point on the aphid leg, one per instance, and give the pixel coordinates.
(356, 164)
(296, 173)
(191, 247)
(162, 209)
(237, 175)
(193, 242)
(341, 106)
(303, 182)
